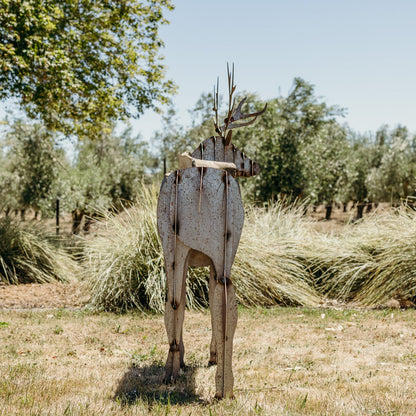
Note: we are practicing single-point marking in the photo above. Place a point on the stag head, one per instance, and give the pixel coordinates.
(234, 113)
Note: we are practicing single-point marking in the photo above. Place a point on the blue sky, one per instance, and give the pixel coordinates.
(359, 54)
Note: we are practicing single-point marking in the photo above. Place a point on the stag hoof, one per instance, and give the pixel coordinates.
(212, 358)
(167, 380)
(172, 378)
(219, 396)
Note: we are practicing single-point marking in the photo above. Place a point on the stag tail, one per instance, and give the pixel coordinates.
(233, 114)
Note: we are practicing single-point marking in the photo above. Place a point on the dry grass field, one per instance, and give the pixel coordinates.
(58, 357)
(287, 361)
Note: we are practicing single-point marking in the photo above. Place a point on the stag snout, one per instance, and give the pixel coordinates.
(256, 168)
(248, 169)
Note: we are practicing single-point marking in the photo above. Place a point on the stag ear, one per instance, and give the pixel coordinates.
(228, 138)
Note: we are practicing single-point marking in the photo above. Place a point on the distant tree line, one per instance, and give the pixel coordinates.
(99, 174)
(306, 152)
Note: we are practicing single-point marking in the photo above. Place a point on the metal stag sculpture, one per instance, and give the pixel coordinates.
(200, 219)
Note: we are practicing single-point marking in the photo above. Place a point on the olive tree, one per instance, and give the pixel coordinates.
(33, 163)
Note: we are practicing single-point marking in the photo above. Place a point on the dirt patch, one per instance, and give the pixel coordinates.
(43, 296)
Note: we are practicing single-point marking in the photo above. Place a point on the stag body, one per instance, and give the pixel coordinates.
(200, 219)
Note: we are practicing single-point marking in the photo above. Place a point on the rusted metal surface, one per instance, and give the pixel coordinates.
(200, 220)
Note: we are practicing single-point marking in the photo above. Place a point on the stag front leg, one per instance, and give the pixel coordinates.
(225, 316)
(175, 311)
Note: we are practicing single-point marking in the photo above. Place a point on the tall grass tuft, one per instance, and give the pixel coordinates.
(374, 262)
(28, 257)
(269, 268)
(281, 260)
(125, 261)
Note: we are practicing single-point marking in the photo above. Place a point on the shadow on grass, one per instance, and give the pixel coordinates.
(146, 384)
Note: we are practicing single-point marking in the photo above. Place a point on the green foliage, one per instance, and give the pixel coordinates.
(324, 161)
(175, 139)
(289, 125)
(304, 152)
(29, 177)
(106, 171)
(82, 64)
(352, 183)
(295, 142)
(27, 257)
(394, 176)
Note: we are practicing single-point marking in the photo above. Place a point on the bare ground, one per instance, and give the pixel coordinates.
(45, 296)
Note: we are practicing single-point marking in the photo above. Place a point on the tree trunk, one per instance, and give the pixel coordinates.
(77, 216)
(22, 214)
(328, 212)
(360, 210)
(89, 219)
(344, 207)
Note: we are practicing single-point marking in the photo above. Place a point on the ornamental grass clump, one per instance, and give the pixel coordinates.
(269, 268)
(124, 262)
(373, 262)
(26, 256)
(125, 268)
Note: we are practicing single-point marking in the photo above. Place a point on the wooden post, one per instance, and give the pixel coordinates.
(164, 166)
(57, 216)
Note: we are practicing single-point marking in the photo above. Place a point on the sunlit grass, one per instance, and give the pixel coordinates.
(281, 260)
(374, 261)
(124, 262)
(286, 361)
(26, 256)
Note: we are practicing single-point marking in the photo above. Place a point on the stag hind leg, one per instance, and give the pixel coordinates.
(175, 311)
(224, 315)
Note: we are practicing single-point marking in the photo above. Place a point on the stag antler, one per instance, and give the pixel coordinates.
(232, 115)
(238, 115)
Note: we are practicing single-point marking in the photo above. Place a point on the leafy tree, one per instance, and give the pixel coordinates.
(390, 180)
(80, 64)
(33, 163)
(171, 140)
(107, 172)
(323, 164)
(8, 183)
(175, 139)
(289, 124)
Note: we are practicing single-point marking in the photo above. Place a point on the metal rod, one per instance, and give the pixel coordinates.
(176, 231)
(225, 283)
(57, 216)
(200, 189)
